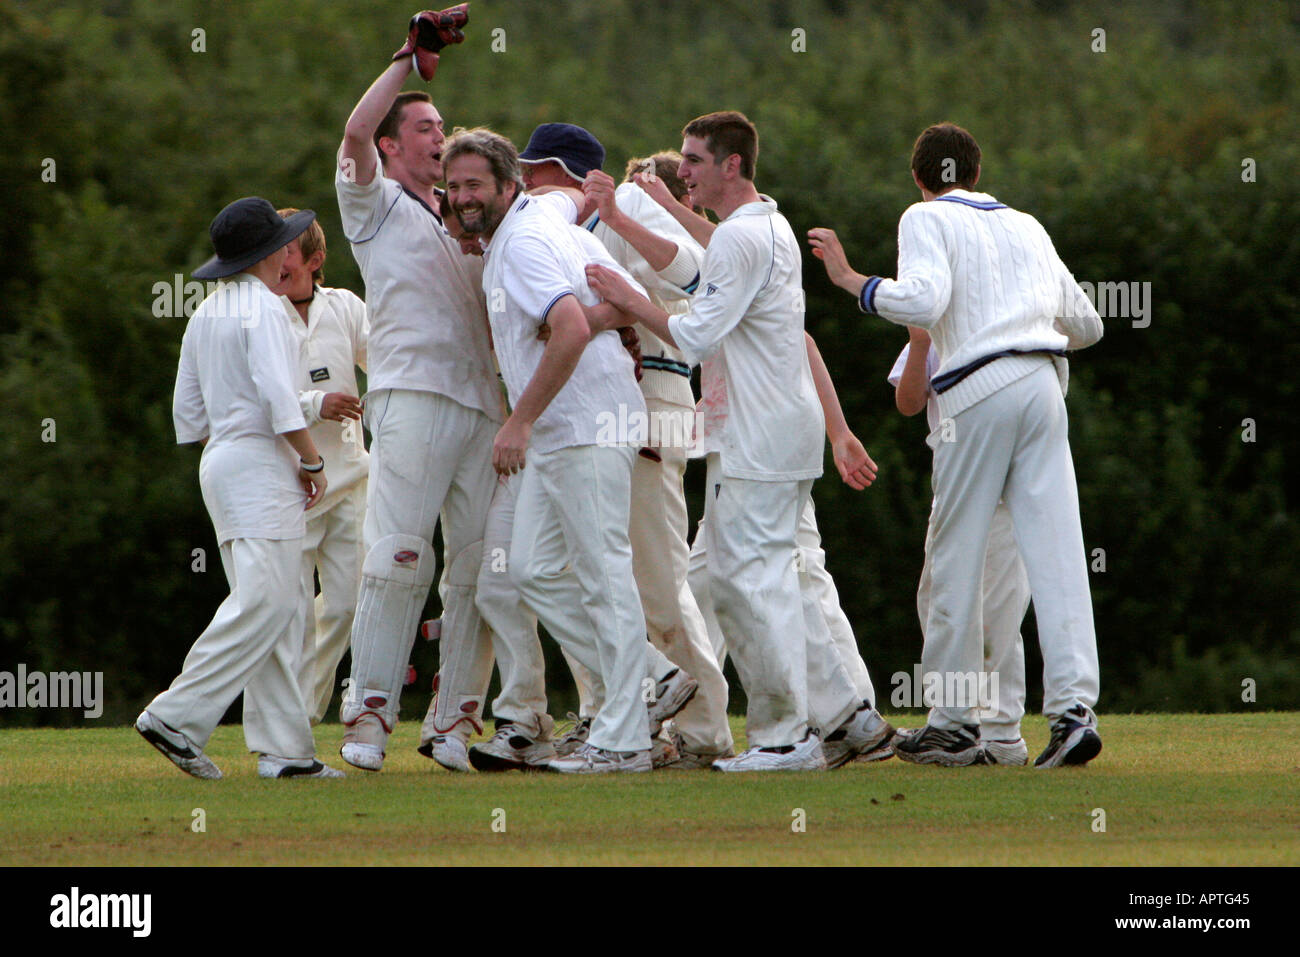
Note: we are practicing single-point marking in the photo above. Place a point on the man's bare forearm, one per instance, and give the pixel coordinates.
(836, 424)
(569, 336)
(358, 134)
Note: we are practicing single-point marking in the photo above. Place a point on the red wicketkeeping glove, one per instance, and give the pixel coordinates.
(430, 31)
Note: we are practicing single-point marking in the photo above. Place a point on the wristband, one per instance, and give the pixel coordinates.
(312, 469)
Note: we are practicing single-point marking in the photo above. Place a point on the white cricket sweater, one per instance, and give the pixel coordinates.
(982, 278)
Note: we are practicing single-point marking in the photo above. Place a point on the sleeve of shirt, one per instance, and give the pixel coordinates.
(920, 294)
(189, 414)
(1077, 318)
(896, 373)
(734, 271)
(534, 277)
(272, 354)
(559, 203)
(679, 278)
(362, 209)
(358, 324)
(310, 402)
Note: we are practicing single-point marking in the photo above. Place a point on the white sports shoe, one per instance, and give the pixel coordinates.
(673, 692)
(864, 731)
(176, 747)
(1014, 753)
(364, 742)
(663, 751)
(589, 759)
(269, 766)
(575, 737)
(448, 750)
(804, 756)
(688, 760)
(512, 748)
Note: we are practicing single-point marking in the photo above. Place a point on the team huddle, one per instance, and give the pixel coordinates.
(528, 335)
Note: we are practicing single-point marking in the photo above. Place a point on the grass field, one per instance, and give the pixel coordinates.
(1176, 790)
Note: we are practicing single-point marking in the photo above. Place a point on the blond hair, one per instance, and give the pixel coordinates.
(310, 242)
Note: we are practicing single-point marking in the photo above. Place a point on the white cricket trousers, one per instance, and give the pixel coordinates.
(332, 550)
(1012, 445)
(771, 622)
(252, 645)
(1005, 599)
(571, 559)
(824, 593)
(430, 457)
(513, 626)
(674, 622)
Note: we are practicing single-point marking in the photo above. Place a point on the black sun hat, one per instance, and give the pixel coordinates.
(246, 232)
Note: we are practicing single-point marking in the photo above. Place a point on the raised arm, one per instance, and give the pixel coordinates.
(357, 153)
(700, 229)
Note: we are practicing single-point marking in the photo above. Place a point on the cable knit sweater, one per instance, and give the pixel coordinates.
(982, 278)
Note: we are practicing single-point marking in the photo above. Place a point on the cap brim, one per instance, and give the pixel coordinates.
(294, 226)
(552, 159)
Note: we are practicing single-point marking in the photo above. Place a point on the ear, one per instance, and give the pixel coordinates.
(316, 261)
(731, 166)
(388, 146)
(917, 180)
(975, 181)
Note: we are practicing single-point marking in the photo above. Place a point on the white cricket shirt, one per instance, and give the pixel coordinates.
(428, 329)
(235, 387)
(330, 347)
(535, 258)
(665, 372)
(982, 278)
(747, 319)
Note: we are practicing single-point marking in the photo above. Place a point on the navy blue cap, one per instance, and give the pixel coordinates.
(571, 146)
(246, 232)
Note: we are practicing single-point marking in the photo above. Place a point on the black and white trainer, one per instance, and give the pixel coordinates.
(1074, 739)
(951, 749)
(270, 766)
(176, 747)
(512, 748)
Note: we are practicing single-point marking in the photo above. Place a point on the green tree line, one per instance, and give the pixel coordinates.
(1157, 143)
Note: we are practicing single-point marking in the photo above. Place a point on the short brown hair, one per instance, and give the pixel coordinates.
(393, 118)
(500, 153)
(666, 164)
(727, 132)
(944, 156)
(310, 242)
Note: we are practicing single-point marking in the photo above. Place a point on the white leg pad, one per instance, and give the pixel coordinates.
(464, 652)
(395, 579)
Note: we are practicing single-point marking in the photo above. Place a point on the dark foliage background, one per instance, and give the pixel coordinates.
(1132, 158)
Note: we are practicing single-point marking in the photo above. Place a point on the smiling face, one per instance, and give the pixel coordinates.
(296, 273)
(701, 173)
(415, 153)
(475, 195)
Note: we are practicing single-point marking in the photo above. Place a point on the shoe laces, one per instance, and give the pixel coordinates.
(576, 730)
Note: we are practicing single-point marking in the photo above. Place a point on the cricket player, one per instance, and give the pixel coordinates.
(985, 281)
(1005, 594)
(259, 470)
(331, 327)
(665, 260)
(858, 471)
(432, 405)
(569, 556)
(748, 312)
